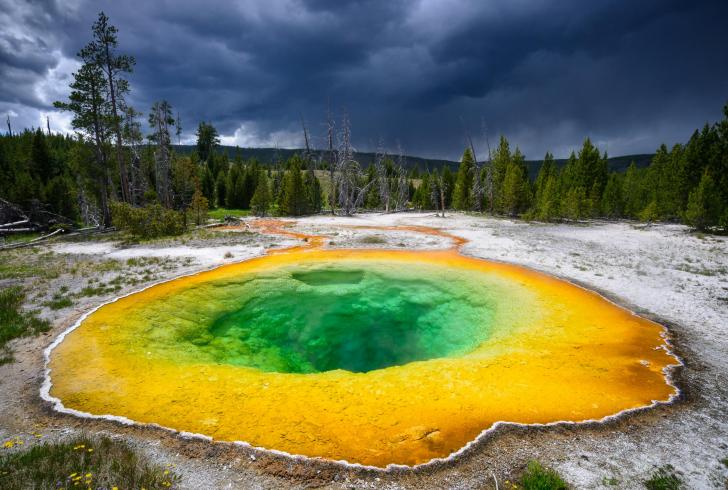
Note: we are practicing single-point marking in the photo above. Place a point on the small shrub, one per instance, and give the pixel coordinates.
(59, 302)
(82, 462)
(537, 477)
(14, 322)
(664, 478)
(148, 222)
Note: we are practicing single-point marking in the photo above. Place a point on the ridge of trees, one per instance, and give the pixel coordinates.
(106, 172)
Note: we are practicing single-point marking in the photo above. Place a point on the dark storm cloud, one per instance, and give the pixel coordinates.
(628, 74)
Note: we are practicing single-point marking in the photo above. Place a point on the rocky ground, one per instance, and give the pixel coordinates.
(661, 271)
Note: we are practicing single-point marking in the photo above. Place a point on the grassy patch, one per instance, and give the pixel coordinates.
(725, 462)
(14, 322)
(99, 290)
(82, 462)
(536, 477)
(664, 478)
(220, 213)
(12, 238)
(58, 302)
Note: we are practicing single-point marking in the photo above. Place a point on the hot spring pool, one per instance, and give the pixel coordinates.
(373, 357)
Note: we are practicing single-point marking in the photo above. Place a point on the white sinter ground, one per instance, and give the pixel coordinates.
(662, 270)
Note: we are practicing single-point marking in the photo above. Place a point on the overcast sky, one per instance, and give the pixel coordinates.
(628, 74)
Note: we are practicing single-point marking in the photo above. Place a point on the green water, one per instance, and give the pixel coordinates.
(352, 319)
(357, 316)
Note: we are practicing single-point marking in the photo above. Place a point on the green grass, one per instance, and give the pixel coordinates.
(220, 213)
(725, 462)
(12, 238)
(59, 302)
(14, 322)
(537, 477)
(664, 478)
(98, 290)
(82, 462)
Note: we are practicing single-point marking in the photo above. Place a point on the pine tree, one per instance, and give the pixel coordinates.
(462, 195)
(207, 184)
(447, 184)
(612, 202)
(207, 140)
(515, 194)
(633, 190)
(294, 202)
(548, 168)
(500, 161)
(221, 189)
(90, 117)
(261, 200)
(60, 195)
(313, 192)
(199, 206)
(43, 166)
(422, 197)
(550, 202)
(704, 206)
(232, 193)
(573, 203)
(102, 53)
(546, 200)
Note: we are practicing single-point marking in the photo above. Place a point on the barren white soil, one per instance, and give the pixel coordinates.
(664, 272)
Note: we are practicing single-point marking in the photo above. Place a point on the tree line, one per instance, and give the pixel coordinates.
(687, 183)
(110, 171)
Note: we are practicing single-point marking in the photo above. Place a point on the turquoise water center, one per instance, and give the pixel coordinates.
(324, 316)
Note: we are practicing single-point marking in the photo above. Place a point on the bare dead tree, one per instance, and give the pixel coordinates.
(48, 124)
(178, 131)
(330, 134)
(402, 195)
(306, 140)
(348, 174)
(10, 130)
(477, 190)
(160, 119)
(380, 170)
(488, 171)
(438, 190)
(133, 140)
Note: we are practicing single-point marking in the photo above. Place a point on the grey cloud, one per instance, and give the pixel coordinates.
(629, 74)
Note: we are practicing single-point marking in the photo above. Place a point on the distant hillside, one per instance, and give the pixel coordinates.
(269, 155)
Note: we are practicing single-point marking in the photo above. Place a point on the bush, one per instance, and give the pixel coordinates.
(82, 462)
(537, 477)
(148, 222)
(14, 322)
